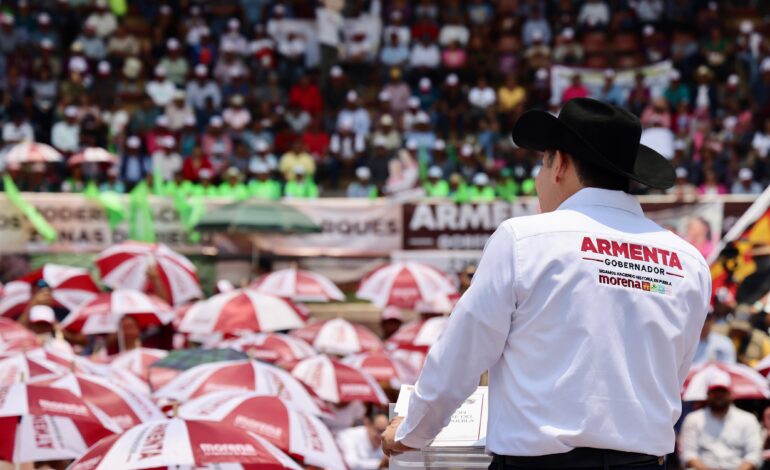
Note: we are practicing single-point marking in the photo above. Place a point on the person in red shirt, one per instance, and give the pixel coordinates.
(575, 90)
(196, 162)
(316, 140)
(306, 94)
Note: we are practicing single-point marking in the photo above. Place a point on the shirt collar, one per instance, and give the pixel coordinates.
(602, 197)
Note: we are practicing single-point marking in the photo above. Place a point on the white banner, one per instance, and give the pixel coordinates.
(656, 77)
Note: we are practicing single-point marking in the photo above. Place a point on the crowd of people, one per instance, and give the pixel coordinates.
(256, 98)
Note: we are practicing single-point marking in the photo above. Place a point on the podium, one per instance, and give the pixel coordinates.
(460, 445)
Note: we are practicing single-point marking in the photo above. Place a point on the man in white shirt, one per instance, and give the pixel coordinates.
(165, 161)
(617, 302)
(361, 445)
(202, 89)
(160, 89)
(425, 54)
(720, 436)
(65, 135)
(17, 129)
(103, 21)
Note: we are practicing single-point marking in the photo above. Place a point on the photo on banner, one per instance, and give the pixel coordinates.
(700, 224)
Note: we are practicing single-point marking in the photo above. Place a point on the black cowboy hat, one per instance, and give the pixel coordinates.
(598, 133)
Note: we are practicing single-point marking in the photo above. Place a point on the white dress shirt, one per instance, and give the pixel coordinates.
(721, 444)
(357, 449)
(582, 350)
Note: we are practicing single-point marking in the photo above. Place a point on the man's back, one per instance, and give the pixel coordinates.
(607, 316)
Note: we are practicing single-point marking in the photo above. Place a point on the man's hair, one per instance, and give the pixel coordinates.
(591, 175)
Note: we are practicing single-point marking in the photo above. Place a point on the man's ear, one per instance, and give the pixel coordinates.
(559, 166)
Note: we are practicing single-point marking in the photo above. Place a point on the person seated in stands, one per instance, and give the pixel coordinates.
(301, 186)
(362, 187)
(481, 191)
(435, 185)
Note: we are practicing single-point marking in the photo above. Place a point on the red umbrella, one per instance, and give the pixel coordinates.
(70, 286)
(92, 155)
(239, 311)
(46, 423)
(137, 361)
(15, 296)
(336, 382)
(404, 284)
(418, 335)
(384, 367)
(173, 442)
(298, 285)
(746, 383)
(238, 375)
(31, 152)
(299, 434)
(19, 368)
(126, 265)
(102, 314)
(14, 337)
(339, 336)
(271, 347)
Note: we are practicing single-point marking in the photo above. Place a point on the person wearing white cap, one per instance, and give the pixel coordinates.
(41, 319)
(292, 49)
(92, 45)
(261, 185)
(178, 111)
(594, 14)
(683, 189)
(232, 186)
(480, 190)
(362, 187)
(205, 187)
(165, 160)
(301, 185)
(536, 29)
(202, 88)
(453, 30)
(425, 55)
(745, 183)
(237, 116)
(65, 134)
(233, 39)
(388, 131)
(720, 435)
(135, 165)
(103, 20)
(355, 112)
(760, 143)
(175, 63)
(567, 50)
(161, 89)
(435, 185)
(410, 115)
(345, 148)
(481, 96)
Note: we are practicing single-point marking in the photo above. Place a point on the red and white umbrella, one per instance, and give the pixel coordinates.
(137, 361)
(418, 335)
(125, 266)
(239, 311)
(176, 442)
(746, 383)
(385, 368)
(299, 434)
(92, 155)
(252, 376)
(70, 286)
(298, 285)
(339, 336)
(15, 296)
(44, 423)
(271, 347)
(404, 284)
(21, 367)
(126, 406)
(336, 382)
(102, 313)
(413, 357)
(15, 337)
(32, 152)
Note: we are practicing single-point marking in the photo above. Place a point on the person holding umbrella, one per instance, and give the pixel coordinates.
(621, 300)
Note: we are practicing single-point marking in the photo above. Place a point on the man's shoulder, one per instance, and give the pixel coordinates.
(744, 417)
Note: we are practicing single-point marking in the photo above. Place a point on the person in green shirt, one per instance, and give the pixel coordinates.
(177, 185)
(261, 186)
(232, 187)
(205, 188)
(435, 185)
(302, 186)
(506, 187)
(481, 191)
(528, 185)
(458, 190)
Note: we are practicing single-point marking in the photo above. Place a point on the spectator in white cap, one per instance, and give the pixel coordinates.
(481, 96)
(422, 132)
(683, 189)
(387, 130)
(356, 113)
(160, 88)
(611, 92)
(165, 160)
(452, 107)
(301, 185)
(205, 187)
(65, 134)
(297, 118)
(410, 115)
(720, 435)
(237, 116)
(362, 187)
(396, 25)
(760, 143)
(215, 141)
(536, 26)
(135, 165)
(292, 50)
(123, 44)
(345, 148)
(153, 138)
(391, 320)
(92, 44)
(296, 157)
(594, 14)
(567, 50)
(229, 65)
(103, 20)
(179, 112)
(202, 88)
(435, 185)
(42, 321)
(45, 32)
(481, 190)
(233, 37)
(425, 55)
(453, 30)
(263, 154)
(261, 186)
(440, 158)
(175, 62)
(112, 183)
(745, 183)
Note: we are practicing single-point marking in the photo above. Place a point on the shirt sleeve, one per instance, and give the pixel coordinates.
(753, 441)
(473, 341)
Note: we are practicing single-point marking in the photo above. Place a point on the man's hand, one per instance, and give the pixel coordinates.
(389, 444)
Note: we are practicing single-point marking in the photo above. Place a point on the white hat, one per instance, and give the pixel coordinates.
(172, 44)
(422, 118)
(425, 83)
(384, 95)
(336, 71)
(71, 111)
(351, 96)
(104, 67)
(232, 171)
(380, 141)
(258, 167)
(765, 65)
(46, 43)
(466, 150)
(745, 174)
(261, 146)
(537, 35)
(391, 312)
(648, 30)
(189, 120)
(541, 74)
(201, 70)
(161, 121)
(439, 145)
(747, 26)
(236, 100)
(733, 80)
(719, 379)
(682, 172)
(233, 23)
(179, 94)
(435, 172)
(346, 123)
(299, 170)
(452, 79)
(41, 313)
(133, 142)
(205, 174)
(80, 64)
(680, 144)
(675, 75)
(568, 33)
(411, 144)
(609, 73)
(413, 102)
(480, 179)
(160, 70)
(165, 10)
(169, 141)
(216, 121)
(44, 18)
(363, 173)
(386, 120)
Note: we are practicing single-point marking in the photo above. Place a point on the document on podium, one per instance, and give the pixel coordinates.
(468, 426)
